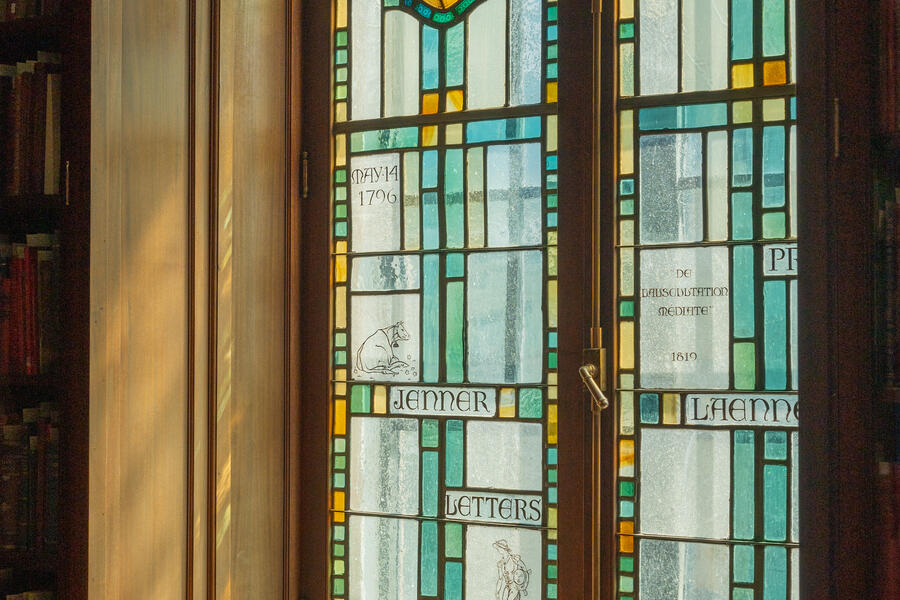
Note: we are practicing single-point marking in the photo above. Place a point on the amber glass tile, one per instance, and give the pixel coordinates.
(429, 135)
(430, 103)
(454, 100)
(551, 91)
(774, 72)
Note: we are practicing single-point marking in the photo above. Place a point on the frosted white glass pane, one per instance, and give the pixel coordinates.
(795, 488)
(384, 273)
(375, 203)
(626, 272)
(383, 558)
(505, 317)
(658, 32)
(365, 50)
(486, 62)
(792, 18)
(494, 554)
(683, 571)
(685, 309)
(384, 465)
(504, 455)
(475, 196)
(685, 482)
(514, 195)
(795, 574)
(384, 337)
(704, 45)
(401, 64)
(717, 185)
(626, 69)
(671, 192)
(524, 52)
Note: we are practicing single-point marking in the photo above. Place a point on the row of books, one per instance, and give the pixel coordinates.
(11, 10)
(29, 478)
(29, 304)
(30, 95)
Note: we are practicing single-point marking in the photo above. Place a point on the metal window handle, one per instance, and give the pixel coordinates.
(588, 372)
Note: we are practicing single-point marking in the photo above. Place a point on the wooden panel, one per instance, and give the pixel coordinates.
(139, 299)
(251, 326)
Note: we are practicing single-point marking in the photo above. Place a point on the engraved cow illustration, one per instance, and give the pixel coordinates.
(377, 355)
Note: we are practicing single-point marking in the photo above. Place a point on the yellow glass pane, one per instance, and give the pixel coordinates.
(626, 458)
(552, 378)
(551, 91)
(626, 542)
(773, 109)
(742, 75)
(626, 345)
(380, 400)
(626, 142)
(340, 268)
(671, 409)
(552, 423)
(341, 19)
(507, 403)
(551, 261)
(340, 150)
(453, 133)
(626, 9)
(552, 392)
(626, 232)
(551, 303)
(339, 506)
(551, 238)
(340, 388)
(551, 518)
(340, 307)
(340, 417)
(441, 4)
(551, 534)
(774, 72)
(455, 100)
(340, 112)
(340, 374)
(430, 103)
(742, 112)
(551, 133)
(429, 135)
(626, 413)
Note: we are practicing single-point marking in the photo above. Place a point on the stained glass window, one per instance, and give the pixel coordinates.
(444, 300)
(706, 201)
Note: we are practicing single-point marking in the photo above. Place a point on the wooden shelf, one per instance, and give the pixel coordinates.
(29, 561)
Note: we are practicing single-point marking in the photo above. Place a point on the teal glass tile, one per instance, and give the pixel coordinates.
(742, 157)
(626, 509)
(552, 495)
(431, 314)
(456, 265)
(453, 534)
(626, 187)
(551, 571)
(626, 583)
(552, 33)
(775, 573)
(429, 169)
(551, 219)
(773, 225)
(552, 200)
(626, 564)
(626, 207)
(742, 216)
(384, 139)
(551, 162)
(626, 31)
(626, 308)
(743, 289)
(773, 27)
(338, 586)
(742, 594)
(340, 445)
(430, 433)
(453, 451)
(626, 489)
(340, 339)
(552, 52)
(531, 403)
(455, 331)
(744, 484)
(552, 339)
(551, 475)
(776, 445)
(392, 2)
(552, 182)
(340, 38)
(340, 229)
(741, 29)
(503, 129)
(339, 479)
(775, 334)
(339, 532)
(551, 591)
(744, 564)
(551, 13)
(454, 213)
(793, 107)
(551, 551)
(360, 399)
(339, 550)
(428, 559)
(552, 70)
(452, 581)
(773, 167)
(340, 57)
(340, 175)
(551, 360)
(650, 408)
(430, 68)
(340, 357)
(551, 456)
(455, 41)
(430, 483)
(683, 117)
(775, 502)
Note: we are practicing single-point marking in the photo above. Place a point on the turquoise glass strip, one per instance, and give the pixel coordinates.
(503, 129)
(430, 433)
(453, 540)
(453, 581)
(650, 408)
(742, 158)
(454, 349)
(428, 563)
(776, 445)
(775, 309)
(453, 473)
(455, 54)
(775, 573)
(429, 169)
(384, 139)
(454, 214)
(773, 167)
(741, 29)
(744, 484)
(430, 484)
(743, 281)
(431, 232)
(430, 67)
(431, 314)
(683, 117)
(742, 594)
(773, 27)
(743, 564)
(775, 502)
(742, 216)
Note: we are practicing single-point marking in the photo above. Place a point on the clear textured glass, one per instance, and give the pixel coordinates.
(704, 45)
(401, 64)
(658, 32)
(497, 555)
(683, 571)
(504, 455)
(671, 191)
(486, 64)
(384, 337)
(525, 52)
(375, 202)
(384, 273)
(365, 46)
(514, 195)
(384, 465)
(383, 558)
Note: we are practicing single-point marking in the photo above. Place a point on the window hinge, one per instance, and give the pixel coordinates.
(304, 161)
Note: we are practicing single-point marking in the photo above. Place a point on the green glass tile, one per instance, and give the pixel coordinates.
(551, 591)
(340, 462)
(340, 74)
(552, 200)
(340, 57)
(551, 551)
(456, 265)
(742, 594)
(743, 564)
(741, 29)
(650, 408)
(775, 502)
(744, 484)
(340, 92)
(339, 531)
(338, 586)
(742, 157)
(626, 308)
(452, 581)
(453, 540)
(384, 139)
(430, 483)
(338, 550)
(551, 571)
(340, 339)
(773, 225)
(552, 181)
(552, 495)
(392, 2)
(626, 31)
(626, 207)
(742, 111)
(455, 331)
(626, 583)
(552, 70)
(776, 445)
(773, 167)
(340, 445)
(340, 211)
(428, 559)
(552, 52)
(340, 193)
(431, 310)
(340, 357)
(430, 433)
(339, 567)
(454, 453)
(626, 509)
(626, 187)
(683, 117)
(551, 13)
(360, 399)
(745, 366)
(626, 489)
(551, 475)
(340, 38)
(340, 229)
(775, 573)
(551, 360)
(626, 564)
(551, 219)
(531, 403)
(551, 456)
(773, 28)
(743, 291)
(775, 334)
(339, 480)
(455, 41)
(742, 216)
(454, 214)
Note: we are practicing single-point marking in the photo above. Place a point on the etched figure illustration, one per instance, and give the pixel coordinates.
(377, 354)
(512, 576)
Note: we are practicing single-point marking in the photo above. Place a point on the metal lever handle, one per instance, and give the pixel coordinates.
(599, 399)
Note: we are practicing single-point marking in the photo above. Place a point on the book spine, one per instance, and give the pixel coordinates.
(37, 134)
(52, 142)
(32, 361)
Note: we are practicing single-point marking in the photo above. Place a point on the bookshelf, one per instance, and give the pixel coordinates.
(59, 567)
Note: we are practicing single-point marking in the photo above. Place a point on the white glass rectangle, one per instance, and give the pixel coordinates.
(365, 52)
(384, 465)
(385, 337)
(375, 203)
(748, 410)
(401, 64)
(486, 56)
(443, 401)
(506, 456)
(383, 559)
(491, 507)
